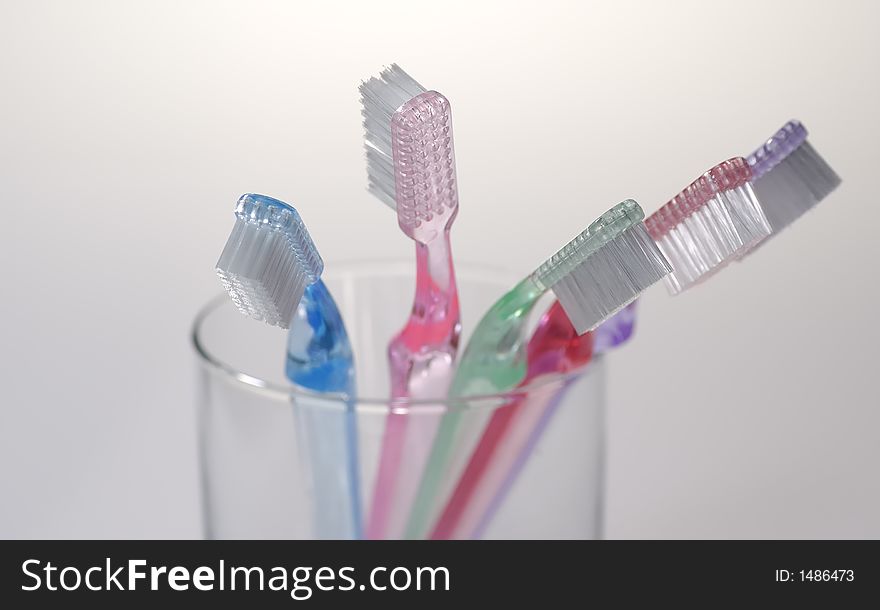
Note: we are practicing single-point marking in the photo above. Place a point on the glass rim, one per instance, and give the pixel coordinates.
(217, 365)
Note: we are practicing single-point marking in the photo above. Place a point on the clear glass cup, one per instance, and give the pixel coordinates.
(258, 451)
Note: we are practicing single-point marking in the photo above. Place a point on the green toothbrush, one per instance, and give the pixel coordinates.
(596, 274)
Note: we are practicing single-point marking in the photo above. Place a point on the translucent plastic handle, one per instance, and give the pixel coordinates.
(554, 348)
(319, 358)
(422, 358)
(494, 360)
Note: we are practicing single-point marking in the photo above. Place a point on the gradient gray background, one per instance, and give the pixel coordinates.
(744, 408)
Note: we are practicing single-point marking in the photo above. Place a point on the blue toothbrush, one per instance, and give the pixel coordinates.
(271, 270)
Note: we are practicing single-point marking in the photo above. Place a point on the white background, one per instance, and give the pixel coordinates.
(744, 408)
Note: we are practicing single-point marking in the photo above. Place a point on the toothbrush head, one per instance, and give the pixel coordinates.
(790, 177)
(779, 146)
(604, 268)
(410, 153)
(268, 260)
(715, 220)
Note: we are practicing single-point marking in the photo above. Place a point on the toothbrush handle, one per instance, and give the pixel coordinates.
(493, 361)
(421, 359)
(611, 334)
(515, 430)
(319, 358)
(617, 330)
(329, 438)
(554, 347)
(505, 469)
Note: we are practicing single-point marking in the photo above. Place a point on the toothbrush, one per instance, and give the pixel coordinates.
(411, 168)
(271, 270)
(789, 176)
(716, 219)
(713, 221)
(598, 273)
(513, 430)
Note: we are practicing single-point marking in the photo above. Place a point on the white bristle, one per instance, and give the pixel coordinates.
(381, 97)
(795, 185)
(722, 229)
(610, 278)
(268, 260)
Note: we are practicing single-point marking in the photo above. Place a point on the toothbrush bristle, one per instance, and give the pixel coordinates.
(604, 268)
(381, 97)
(790, 177)
(268, 260)
(410, 152)
(715, 220)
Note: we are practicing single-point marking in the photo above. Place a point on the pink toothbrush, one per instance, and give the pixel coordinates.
(411, 167)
